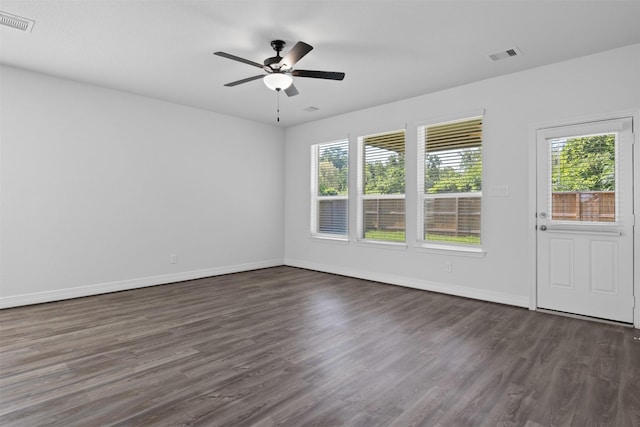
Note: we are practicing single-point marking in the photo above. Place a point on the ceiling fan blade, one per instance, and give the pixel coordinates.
(248, 79)
(291, 90)
(331, 75)
(237, 58)
(295, 54)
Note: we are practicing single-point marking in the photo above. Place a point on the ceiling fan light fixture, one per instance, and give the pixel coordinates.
(277, 81)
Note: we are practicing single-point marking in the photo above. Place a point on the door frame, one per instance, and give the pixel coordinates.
(534, 128)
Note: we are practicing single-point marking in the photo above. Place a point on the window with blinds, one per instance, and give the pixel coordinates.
(330, 189)
(450, 187)
(382, 187)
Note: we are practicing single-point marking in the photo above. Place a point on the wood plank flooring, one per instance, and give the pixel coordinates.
(291, 347)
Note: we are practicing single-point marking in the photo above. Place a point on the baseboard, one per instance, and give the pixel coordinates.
(103, 288)
(409, 282)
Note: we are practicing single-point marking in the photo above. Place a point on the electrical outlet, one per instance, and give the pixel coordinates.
(448, 267)
(173, 259)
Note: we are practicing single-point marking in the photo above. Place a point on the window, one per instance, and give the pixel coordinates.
(583, 178)
(450, 182)
(381, 187)
(329, 189)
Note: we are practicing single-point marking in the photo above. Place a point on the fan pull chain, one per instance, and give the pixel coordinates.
(278, 110)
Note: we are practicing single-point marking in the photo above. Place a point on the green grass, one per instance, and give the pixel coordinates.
(399, 236)
(392, 236)
(467, 240)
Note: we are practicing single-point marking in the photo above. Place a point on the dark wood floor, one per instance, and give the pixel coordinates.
(286, 346)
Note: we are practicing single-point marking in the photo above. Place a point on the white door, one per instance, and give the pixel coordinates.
(585, 219)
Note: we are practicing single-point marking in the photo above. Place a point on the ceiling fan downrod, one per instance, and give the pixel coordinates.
(274, 62)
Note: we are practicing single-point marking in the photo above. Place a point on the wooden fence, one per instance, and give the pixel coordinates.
(597, 206)
(385, 214)
(460, 216)
(452, 216)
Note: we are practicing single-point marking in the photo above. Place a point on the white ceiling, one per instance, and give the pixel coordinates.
(389, 50)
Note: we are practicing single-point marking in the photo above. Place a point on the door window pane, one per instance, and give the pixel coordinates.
(583, 178)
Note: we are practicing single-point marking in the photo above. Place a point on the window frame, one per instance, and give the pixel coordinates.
(444, 245)
(316, 199)
(573, 223)
(362, 196)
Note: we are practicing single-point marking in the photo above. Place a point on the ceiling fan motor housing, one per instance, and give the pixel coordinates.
(274, 61)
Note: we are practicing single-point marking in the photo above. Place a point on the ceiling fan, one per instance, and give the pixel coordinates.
(280, 69)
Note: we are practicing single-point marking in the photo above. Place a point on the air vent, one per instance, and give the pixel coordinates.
(16, 22)
(509, 53)
(311, 109)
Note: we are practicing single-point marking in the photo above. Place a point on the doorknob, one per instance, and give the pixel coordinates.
(543, 227)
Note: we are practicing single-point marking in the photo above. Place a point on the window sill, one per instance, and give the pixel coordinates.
(394, 246)
(324, 238)
(452, 250)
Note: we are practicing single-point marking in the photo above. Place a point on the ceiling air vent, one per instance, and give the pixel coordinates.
(16, 22)
(506, 54)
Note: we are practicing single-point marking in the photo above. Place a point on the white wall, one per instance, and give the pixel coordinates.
(572, 90)
(99, 187)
